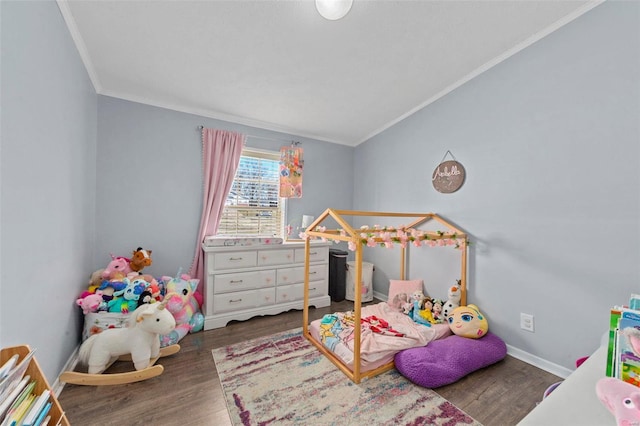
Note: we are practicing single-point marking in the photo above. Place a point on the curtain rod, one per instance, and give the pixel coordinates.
(292, 142)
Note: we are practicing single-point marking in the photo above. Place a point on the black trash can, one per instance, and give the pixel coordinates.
(337, 274)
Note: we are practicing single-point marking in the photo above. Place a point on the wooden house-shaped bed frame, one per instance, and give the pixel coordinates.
(348, 234)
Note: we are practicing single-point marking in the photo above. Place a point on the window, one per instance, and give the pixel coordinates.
(253, 206)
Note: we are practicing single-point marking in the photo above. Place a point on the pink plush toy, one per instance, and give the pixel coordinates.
(118, 268)
(182, 303)
(89, 302)
(622, 399)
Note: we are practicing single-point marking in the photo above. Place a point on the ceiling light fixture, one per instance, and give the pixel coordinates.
(333, 9)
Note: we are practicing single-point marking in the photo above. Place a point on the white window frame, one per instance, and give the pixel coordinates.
(282, 202)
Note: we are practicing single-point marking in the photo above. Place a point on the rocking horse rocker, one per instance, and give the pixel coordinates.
(139, 342)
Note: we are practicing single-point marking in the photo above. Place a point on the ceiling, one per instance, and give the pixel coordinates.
(279, 65)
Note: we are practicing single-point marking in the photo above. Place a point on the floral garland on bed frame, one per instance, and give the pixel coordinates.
(387, 236)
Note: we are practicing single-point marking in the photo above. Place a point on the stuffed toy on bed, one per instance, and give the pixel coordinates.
(467, 321)
(438, 316)
(453, 300)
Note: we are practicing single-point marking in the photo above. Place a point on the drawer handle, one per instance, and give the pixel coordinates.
(235, 258)
(235, 281)
(312, 289)
(312, 253)
(314, 272)
(235, 301)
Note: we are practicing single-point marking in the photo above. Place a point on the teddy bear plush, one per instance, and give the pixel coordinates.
(95, 280)
(399, 301)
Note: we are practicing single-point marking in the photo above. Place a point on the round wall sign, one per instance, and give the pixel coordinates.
(448, 177)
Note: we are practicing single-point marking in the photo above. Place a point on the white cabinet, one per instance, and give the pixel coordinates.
(243, 282)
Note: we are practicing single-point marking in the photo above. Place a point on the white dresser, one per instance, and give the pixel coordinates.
(245, 281)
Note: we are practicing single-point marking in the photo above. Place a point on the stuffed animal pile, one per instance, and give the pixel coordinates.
(426, 310)
(121, 287)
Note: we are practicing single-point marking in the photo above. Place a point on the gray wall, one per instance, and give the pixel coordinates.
(47, 175)
(550, 141)
(83, 176)
(149, 180)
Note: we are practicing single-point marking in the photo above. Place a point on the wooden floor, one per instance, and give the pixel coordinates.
(189, 392)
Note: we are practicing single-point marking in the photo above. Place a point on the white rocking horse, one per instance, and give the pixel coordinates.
(139, 342)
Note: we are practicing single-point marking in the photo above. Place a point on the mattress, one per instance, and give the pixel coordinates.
(377, 347)
(230, 241)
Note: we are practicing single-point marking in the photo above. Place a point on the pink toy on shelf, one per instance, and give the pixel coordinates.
(622, 399)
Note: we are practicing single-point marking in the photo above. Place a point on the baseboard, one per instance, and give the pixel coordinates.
(380, 296)
(542, 364)
(73, 360)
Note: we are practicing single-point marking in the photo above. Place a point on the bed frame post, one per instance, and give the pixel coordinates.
(357, 300)
(403, 260)
(463, 273)
(305, 311)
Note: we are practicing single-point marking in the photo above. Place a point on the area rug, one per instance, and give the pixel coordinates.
(283, 379)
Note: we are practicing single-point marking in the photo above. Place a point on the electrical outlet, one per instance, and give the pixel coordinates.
(526, 322)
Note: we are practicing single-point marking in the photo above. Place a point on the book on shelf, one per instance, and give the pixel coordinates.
(8, 366)
(42, 415)
(14, 375)
(19, 404)
(613, 338)
(33, 413)
(12, 396)
(628, 347)
(623, 351)
(17, 416)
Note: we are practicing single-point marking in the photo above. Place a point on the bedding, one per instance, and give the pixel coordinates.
(384, 332)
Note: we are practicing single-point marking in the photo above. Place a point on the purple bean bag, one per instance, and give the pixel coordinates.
(447, 360)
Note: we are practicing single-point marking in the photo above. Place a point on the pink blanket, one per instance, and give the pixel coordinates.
(384, 332)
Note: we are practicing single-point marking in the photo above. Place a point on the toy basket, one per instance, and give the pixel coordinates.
(95, 322)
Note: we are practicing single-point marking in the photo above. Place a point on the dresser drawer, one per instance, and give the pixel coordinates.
(275, 257)
(225, 283)
(296, 275)
(231, 302)
(317, 288)
(316, 254)
(291, 293)
(233, 260)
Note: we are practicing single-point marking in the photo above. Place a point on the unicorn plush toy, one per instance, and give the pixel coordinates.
(182, 303)
(116, 269)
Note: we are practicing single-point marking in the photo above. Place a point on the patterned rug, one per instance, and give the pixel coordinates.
(283, 379)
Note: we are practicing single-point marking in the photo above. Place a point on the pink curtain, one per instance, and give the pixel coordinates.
(221, 151)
